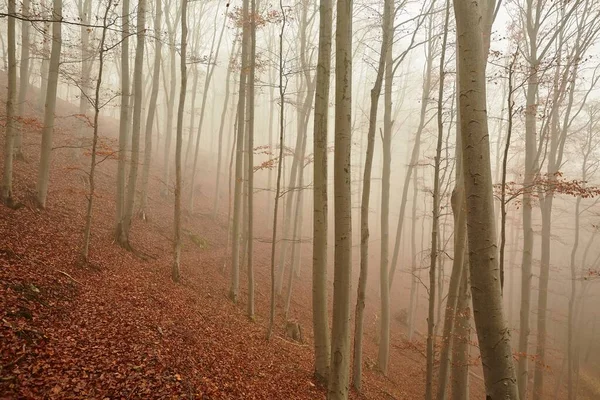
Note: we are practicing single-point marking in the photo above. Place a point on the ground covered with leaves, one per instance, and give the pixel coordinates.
(119, 328)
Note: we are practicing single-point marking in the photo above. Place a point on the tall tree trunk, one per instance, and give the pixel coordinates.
(45, 60)
(384, 283)
(232, 58)
(435, 214)
(473, 21)
(123, 119)
(49, 112)
(151, 110)
(384, 55)
(23, 77)
(320, 173)
(7, 176)
(135, 131)
(250, 155)
(340, 334)
(210, 68)
(279, 168)
(241, 129)
(175, 271)
(462, 336)
(90, 196)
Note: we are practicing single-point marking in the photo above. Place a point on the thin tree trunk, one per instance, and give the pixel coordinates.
(279, 167)
(90, 195)
(241, 129)
(23, 77)
(384, 284)
(151, 111)
(49, 113)
(175, 271)
(384, 55)
(250, 155)
(232, 57)
(435, 214)
(123, 119)
(137, 120)
(462, 336)
(7, 176)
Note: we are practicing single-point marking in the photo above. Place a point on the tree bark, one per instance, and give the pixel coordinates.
(49, 112)
(175, 271)
(151, 110)
(340, 334)
(384, 55)
(473, 21)
(7, 176)
(23, 77)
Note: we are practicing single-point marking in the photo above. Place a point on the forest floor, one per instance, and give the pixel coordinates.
(119, 328)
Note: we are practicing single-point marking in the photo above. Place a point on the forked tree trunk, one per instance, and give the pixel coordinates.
(340, 334)
(49, 112)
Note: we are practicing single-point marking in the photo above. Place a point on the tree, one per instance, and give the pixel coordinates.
(123, 120)
(23, 75)
(7, 176)
(49, 112)
(239, 151)
(320, 214)
(250, 155)
(127, 216)
(436, 215)
(340, 334)
(384, 55)
(175, 272)
(151, 109)
(473, 22)
(96, 104)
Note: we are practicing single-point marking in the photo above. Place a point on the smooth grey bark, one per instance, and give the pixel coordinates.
(45, 61)
(250, 156)
(138, 70)
(473, 21)
(241, 130)
(123, 118)
(279, 166)
(435, 214)
(7, 175)
(50, 107)
(462, 336)
(96, 105)
(383, 354)
(171, 26)
(340, 334)
(151, 110)
(384, 55)
(320, 201)
(23, 76)
(176, 270)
